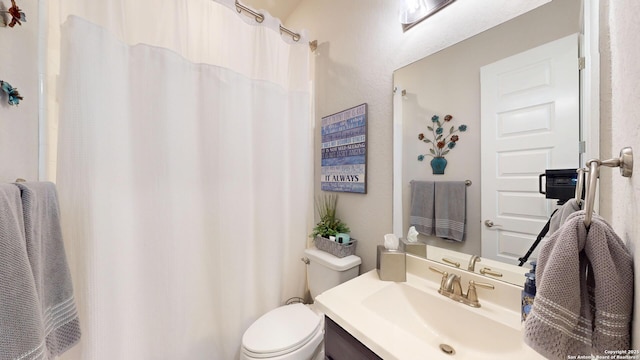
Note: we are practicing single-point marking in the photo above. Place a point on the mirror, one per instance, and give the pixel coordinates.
(486, 267)
(448, 82)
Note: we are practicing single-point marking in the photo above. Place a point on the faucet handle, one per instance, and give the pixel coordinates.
(451, 262)
(488, 271)
(481, 284)
(472, 295)
(444, 274)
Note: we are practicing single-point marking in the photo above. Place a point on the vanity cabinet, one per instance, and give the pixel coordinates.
(340, 345)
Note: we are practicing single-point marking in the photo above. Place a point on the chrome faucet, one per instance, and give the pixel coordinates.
(472, 262)
(452, 285)
(451, 288)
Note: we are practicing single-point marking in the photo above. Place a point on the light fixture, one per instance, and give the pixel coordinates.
(414, 11)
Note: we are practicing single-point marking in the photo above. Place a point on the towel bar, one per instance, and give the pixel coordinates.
(580, 185)
(466, 182)
(624, 162)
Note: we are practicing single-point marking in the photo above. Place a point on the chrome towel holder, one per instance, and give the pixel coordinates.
(624, 162)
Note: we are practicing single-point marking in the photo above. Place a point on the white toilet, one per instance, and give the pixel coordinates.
(295, 332)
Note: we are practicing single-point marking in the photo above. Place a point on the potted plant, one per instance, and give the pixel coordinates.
(330, 225)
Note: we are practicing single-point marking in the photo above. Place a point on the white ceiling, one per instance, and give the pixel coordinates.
(277, 8)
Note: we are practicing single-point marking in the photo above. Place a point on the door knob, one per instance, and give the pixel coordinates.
(489, 223)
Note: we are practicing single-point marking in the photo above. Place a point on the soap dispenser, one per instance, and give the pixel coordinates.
(529, 292)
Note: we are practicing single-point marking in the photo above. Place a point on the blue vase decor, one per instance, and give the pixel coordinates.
(438, 164)
(441, 144)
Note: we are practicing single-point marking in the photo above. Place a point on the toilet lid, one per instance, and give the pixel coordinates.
(281, 330)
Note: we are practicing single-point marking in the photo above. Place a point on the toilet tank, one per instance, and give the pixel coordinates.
(325, 270)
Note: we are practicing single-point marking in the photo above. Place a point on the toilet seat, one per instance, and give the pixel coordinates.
(281, 331)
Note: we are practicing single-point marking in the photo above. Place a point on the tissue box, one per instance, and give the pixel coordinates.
(391, 265)
(416, 248)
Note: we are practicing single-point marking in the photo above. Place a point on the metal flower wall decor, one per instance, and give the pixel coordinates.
(440, 143)
(12, 93)
(17, 15)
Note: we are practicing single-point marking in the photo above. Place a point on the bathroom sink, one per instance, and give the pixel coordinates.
(411, 320)
(437, 320)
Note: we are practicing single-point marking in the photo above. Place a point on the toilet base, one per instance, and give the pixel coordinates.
(317, 355)
(313, 350)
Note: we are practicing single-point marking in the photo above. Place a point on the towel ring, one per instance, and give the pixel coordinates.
(624, 162)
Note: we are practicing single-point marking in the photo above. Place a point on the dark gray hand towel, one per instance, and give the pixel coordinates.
(450, 209)
(21, 328)
(584, 297)
(422, 211)
(48, 261)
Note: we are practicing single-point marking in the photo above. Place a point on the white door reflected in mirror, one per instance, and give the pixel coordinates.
(530, 123)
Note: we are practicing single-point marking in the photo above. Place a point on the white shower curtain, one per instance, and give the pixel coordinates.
(184, 171)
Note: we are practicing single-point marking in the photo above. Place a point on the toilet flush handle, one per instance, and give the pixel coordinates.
(305, 260)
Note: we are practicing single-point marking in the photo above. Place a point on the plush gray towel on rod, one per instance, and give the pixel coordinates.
(450, 209)
(21, 327)
(560, 217)
(584, 298)
(422, 210)
(47, 257)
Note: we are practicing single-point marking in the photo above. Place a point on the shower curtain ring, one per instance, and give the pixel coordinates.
(257, 16)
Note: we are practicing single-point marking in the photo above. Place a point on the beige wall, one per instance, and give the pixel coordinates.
(19, 124)
(361, 43)
(625, 130)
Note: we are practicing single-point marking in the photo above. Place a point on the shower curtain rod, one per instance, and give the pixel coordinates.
(260, 18)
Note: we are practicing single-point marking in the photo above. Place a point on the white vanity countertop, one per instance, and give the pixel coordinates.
(350, 305)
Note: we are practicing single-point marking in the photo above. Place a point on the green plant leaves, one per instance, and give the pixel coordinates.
(329, 224)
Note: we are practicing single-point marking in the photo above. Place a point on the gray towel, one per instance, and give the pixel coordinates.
(584, 297)
(450, 209)
(21, 328)
(422, 199)
(560, 217)
(46, 254)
